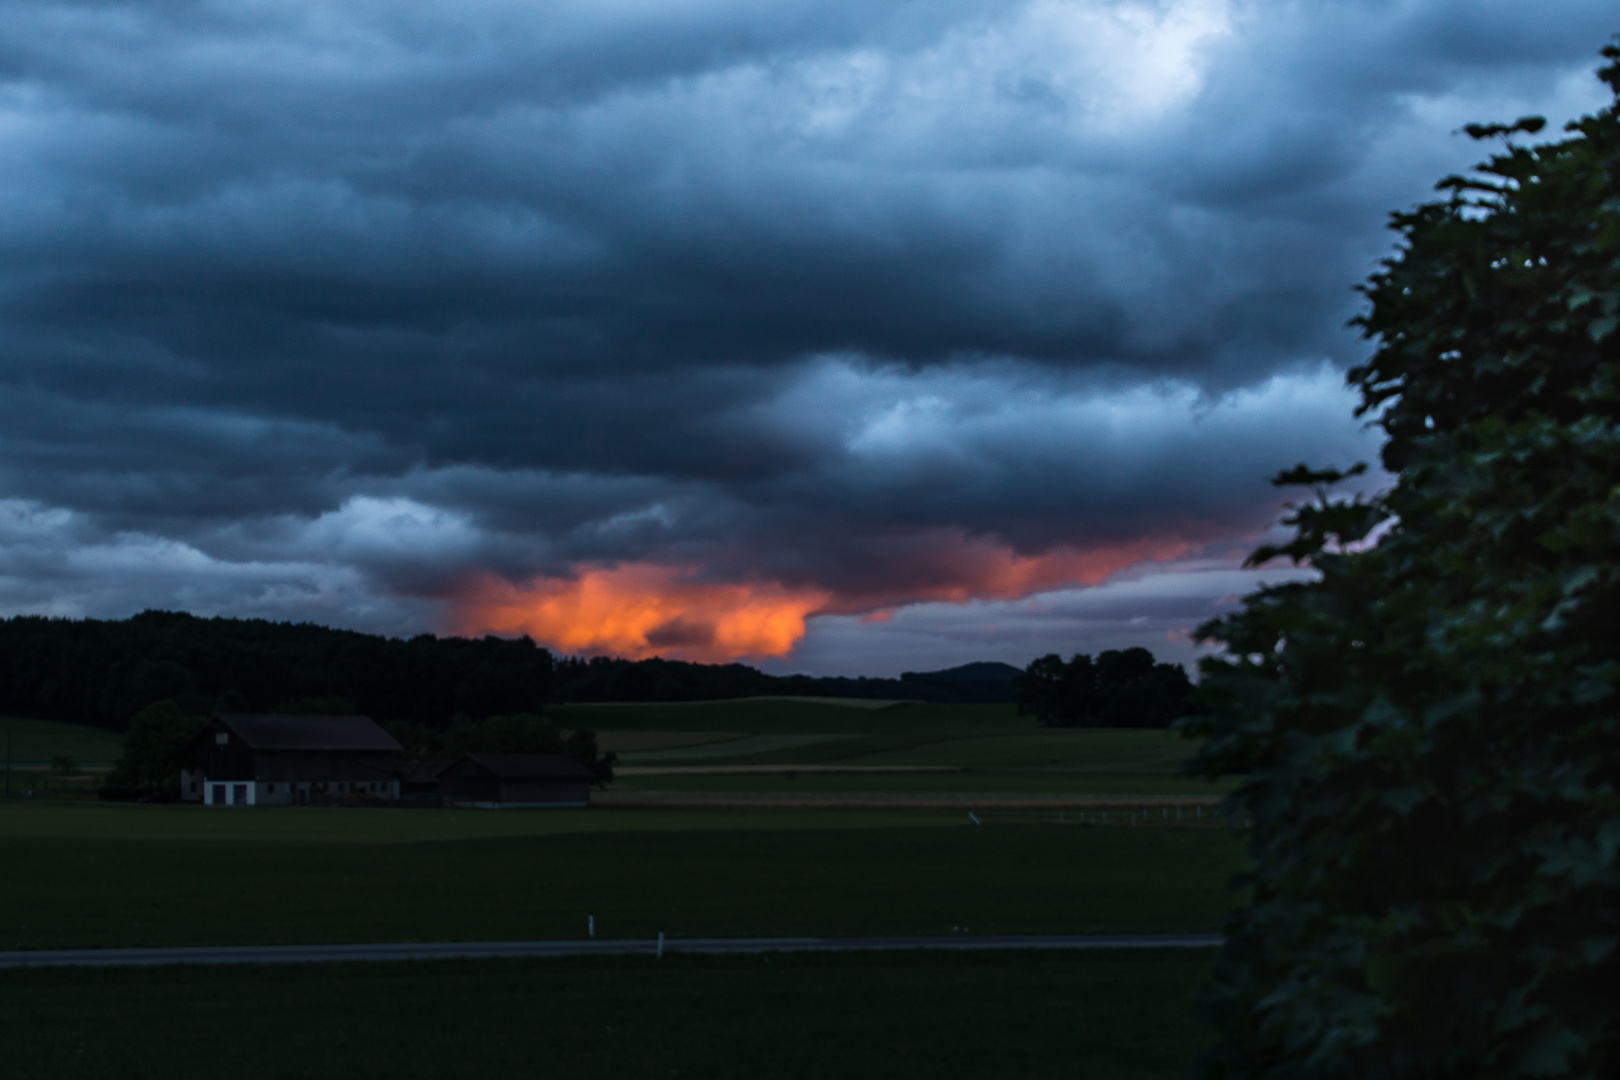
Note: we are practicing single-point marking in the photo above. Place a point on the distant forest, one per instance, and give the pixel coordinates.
(603, 678)
(1119, 688)
(102, 672)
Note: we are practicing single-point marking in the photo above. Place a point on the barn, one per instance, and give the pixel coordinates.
(512, 780)
(419, 782)
(241, 759)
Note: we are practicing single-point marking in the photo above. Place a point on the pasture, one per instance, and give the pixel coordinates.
(974, 1017)
(101, 876)
(969, 750)
(86, 874)
(37, 742)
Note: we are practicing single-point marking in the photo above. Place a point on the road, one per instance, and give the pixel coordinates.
(479, 950)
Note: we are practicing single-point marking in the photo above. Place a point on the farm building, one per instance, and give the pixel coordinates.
(492, 780)
(419, 781)
(260, 760)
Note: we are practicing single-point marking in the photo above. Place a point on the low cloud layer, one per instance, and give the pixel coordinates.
(710, 331)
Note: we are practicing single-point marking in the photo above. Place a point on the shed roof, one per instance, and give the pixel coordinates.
(420, 772)
(340, 734)
(530, 766)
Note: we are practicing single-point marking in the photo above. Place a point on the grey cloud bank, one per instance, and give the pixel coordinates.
(331, 311)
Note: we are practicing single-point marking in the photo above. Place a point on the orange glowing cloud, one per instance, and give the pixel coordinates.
(640, 610)
(955, 569)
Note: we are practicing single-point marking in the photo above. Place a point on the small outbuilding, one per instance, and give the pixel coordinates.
(242, 759)
(419, 781)
(513, 780)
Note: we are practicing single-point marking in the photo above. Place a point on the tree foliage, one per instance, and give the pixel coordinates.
(1429, 731)
(154, 748)
(1120, 688)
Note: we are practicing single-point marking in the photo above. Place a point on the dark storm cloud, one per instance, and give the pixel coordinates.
(324, 308)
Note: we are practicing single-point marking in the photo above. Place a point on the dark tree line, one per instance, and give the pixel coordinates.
(1120, 688)
(103, 672)
(603, 678)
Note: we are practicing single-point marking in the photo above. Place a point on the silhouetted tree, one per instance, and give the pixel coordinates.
(1119, 689)
(154, 748)
(1428, 731)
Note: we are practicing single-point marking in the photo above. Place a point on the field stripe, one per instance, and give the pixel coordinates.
(795, 801)
(478, 950)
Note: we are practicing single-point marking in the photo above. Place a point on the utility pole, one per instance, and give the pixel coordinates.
(8, 761)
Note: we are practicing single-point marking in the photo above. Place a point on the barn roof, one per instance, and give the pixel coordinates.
(420, 772)
(530, 766)
(340, 734)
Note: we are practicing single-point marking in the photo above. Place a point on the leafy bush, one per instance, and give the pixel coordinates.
(154, 748)
(1430, 731)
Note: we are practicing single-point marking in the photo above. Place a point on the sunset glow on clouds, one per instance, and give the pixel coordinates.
(845, 337)
(641, 610)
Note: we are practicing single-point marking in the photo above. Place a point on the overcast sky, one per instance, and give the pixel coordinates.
(846, 337)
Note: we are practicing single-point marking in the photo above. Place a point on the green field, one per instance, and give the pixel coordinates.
(87, 874)
(968, 780)
(98, 876)
(975, 1017)
(39, 741)
(989, 749)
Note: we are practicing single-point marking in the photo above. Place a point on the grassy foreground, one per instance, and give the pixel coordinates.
(1103, 1017)
(80, 874)
(881, 875)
